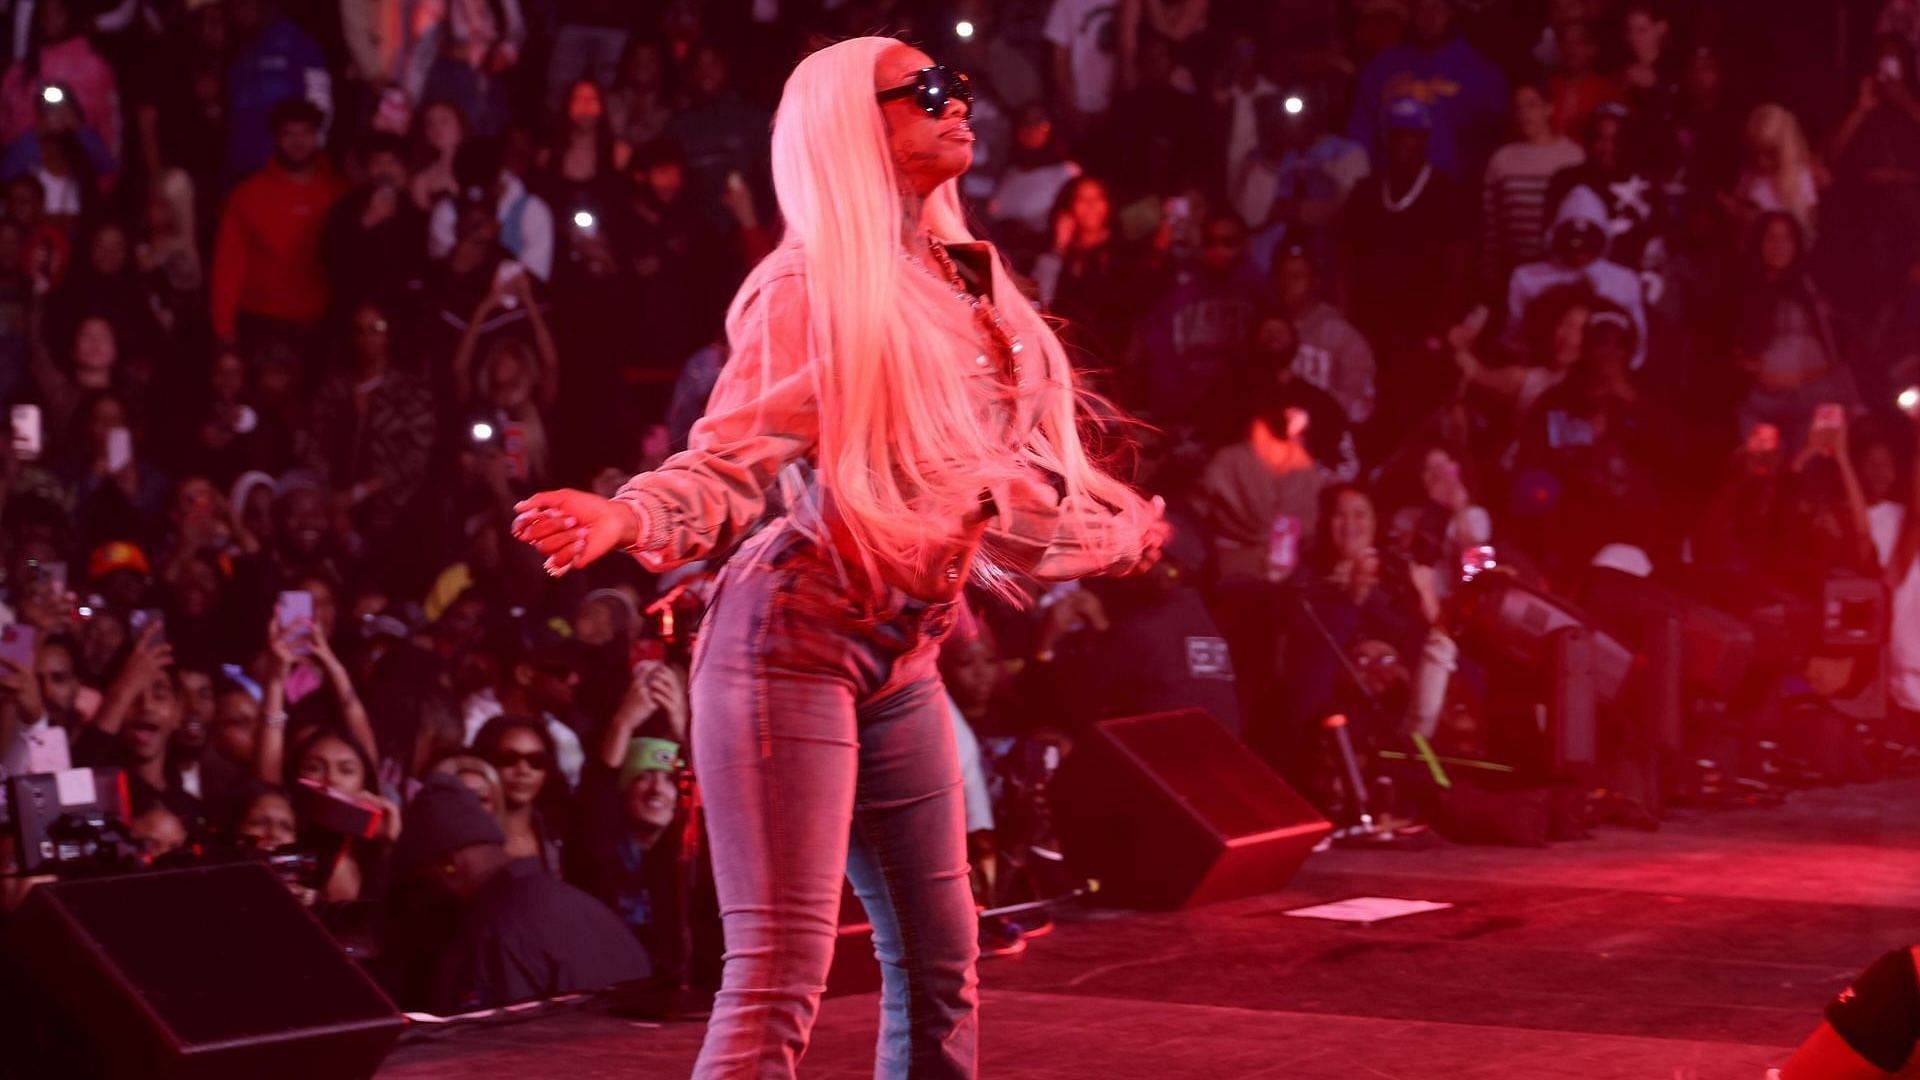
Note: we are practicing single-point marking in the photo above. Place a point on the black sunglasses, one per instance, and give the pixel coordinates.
(507, 759)
(931, 89)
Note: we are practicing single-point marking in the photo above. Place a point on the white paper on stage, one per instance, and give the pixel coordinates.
(1367, 909)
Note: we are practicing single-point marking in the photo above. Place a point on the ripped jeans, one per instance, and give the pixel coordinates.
(823, 748)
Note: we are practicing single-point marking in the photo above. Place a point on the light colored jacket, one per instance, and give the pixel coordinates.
(1609, 280)
(763, 416)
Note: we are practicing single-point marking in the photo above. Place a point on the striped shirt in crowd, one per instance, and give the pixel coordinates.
(1513, 201)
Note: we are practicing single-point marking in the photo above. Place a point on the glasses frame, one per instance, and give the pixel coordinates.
(932, 89)
(507, 759)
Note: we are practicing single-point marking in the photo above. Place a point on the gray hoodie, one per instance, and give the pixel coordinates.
(1609, 280)
(1336, 358)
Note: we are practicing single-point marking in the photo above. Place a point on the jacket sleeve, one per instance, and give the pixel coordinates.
(1049, 537)
(762, 415)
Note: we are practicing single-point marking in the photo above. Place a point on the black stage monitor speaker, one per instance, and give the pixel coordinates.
(1170, 810)
(208, 973)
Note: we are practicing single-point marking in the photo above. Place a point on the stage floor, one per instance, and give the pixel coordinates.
(1700, 952)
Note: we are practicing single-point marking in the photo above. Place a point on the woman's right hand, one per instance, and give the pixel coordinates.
(573, 528)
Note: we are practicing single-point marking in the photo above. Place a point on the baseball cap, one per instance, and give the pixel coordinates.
(1408, 113)
(1625, 558)
(115, 556)
(542, 643)
(294, 110)
(298, 480)
(383, 625)
(625, 615)
(649, 755)
(442, 818)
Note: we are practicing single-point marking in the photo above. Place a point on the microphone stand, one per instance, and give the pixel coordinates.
(1366, 832)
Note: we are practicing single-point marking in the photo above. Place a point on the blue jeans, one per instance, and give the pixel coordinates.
(823, 747)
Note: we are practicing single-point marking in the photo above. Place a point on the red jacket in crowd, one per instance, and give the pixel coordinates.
(267, 259)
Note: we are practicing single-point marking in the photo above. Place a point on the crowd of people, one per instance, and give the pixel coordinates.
(298, 298)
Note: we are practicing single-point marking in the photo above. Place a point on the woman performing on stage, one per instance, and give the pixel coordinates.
(890, 351)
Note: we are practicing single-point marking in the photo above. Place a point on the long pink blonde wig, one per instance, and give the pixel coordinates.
(902, 448)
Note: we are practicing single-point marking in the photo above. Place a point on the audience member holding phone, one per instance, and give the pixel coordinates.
(534, 797)
(292, 640)
(628, 846)
(335, 753)
(510, 380)
(29, 741)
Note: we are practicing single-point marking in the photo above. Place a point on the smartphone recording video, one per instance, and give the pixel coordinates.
(16, 646)
(294, 613)
(138, 622)
(119, 448)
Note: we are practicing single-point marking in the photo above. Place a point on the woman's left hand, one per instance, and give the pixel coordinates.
(1153, 541)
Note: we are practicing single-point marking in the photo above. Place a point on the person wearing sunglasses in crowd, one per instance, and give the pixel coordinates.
(533, 794)
(891, 351)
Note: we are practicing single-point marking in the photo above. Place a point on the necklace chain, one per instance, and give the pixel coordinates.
(985, 314)
(1395, 206)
